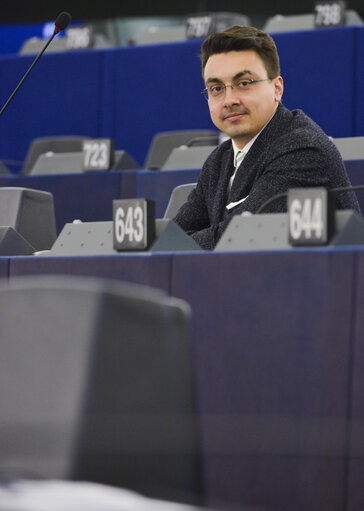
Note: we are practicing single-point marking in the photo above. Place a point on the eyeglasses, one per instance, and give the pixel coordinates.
(214, 92)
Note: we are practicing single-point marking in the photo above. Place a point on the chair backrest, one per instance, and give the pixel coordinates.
(31, 214)
(187, 157)
(178, 197)
(163, 143)
(158, 35)
(351, 148)
(3, 168)
(34, 45)
(290, 23)
(56, 144)
(95, 384)
(72, 163)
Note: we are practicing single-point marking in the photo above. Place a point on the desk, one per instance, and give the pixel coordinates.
(277, 347)
(4, 267)
(146, 269)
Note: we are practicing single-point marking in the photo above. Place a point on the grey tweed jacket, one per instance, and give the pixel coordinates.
(291, 152)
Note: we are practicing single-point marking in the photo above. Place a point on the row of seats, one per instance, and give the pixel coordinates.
(159, 30)
(28, 221)
(168, 151)
(37, 158)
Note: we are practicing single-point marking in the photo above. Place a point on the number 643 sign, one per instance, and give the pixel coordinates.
(134, 224)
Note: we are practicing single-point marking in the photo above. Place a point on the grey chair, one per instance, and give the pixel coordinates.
(55, 144)
(31, 214)
(3, 168)
(158, 35)
(34, 45)
(351, 148)
(291, 23)
(95, 384)
(72, 163)
(163, 143)
(188, 157)
(178, 197)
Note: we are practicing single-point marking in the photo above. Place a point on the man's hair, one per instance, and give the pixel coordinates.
(241, 38)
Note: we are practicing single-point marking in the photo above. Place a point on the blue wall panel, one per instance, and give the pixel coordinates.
(318, 71)
(61, 96)
(13, 35)
(155, 88)
(132, 93)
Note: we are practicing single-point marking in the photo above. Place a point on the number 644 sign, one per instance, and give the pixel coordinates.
(310, 216)
(134, 224)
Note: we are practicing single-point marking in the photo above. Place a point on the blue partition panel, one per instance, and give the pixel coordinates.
(145, 269)
(87, 197)
(60, 97)
(359, 84)
(356, 464)
(318, 68)
(272, 353)
(4, 267)
(149, 89)
(13, 35)
(158, 185)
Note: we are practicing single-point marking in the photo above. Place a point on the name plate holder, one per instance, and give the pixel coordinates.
(329, 13)
(255, 233)
(80, 38)
(134, 224)
(98, 154)
(311, 216)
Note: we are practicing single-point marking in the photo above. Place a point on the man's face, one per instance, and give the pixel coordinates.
(241, 112)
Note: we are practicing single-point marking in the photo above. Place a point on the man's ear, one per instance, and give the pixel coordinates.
(278, 88)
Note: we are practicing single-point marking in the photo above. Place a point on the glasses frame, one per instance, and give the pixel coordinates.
(205, 92)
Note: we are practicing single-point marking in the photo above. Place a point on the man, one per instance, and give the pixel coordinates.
(271, 149)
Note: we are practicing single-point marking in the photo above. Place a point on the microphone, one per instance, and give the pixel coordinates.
(285, 194)
(61, 23)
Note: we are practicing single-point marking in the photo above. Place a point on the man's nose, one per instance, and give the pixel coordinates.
(231, 96)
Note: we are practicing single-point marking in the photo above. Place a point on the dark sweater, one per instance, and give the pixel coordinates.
(291, 152)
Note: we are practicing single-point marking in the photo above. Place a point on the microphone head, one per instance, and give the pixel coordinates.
(62, 21)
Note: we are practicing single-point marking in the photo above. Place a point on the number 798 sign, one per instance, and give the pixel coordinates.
(134, 224)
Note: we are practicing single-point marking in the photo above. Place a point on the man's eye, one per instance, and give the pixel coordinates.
(244, 84)
(216, 89)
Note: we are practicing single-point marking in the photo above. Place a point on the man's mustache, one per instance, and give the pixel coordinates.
(230, 111)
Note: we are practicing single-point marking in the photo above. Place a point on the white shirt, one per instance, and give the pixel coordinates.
(245, 150)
